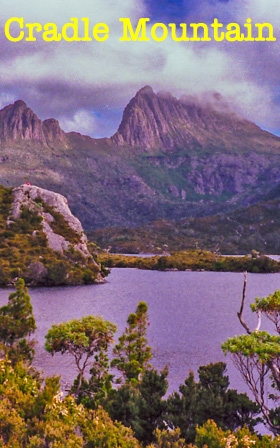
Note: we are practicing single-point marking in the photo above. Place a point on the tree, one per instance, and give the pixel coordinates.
(257, 356)
(94, 392)
(209, 398)
(82, 339)
(210, 436)
(132, 353)
(100, 431)
(140, 406)
(168, 439)
(16, 323)
(38, 416)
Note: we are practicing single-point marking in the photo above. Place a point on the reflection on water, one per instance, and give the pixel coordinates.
(190, 313)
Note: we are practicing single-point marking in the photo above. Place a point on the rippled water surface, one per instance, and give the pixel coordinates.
(190, 314)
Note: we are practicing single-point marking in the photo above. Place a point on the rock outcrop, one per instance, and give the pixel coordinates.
(42, 242)
(35, 199)
(53, 133)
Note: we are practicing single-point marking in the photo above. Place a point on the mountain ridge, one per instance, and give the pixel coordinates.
(162, 121)
(170, 158)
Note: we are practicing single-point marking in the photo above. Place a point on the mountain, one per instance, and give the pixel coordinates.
(42, 241)
(161, 121)
(170, 159)
(17, 122)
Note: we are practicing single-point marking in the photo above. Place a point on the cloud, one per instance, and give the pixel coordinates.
(81, 120)
(6, 98)
(87, 84)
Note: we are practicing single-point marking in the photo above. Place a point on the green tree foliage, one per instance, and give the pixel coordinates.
(32, 416)
(194, 260)
(16, 323)
(132, 353)
(257, 357)
(209, 398)
(82, 339)
(100, 431)
(168, 439)
(211, 436)
(94, 392)
(140, 406)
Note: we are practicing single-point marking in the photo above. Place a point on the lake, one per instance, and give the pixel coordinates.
(190, 315)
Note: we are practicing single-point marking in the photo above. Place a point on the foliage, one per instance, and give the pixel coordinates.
(259, 345)
(94, 392)
(100, 431)
(16, 323)
(193, 260)
(209, 398)
(210, 436)
(140, 406)
(132, 353)
(168, 439)
(82, 339)
(257, 357)
(32, 416)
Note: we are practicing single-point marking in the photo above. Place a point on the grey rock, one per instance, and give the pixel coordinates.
(37, 272)
(25, 195)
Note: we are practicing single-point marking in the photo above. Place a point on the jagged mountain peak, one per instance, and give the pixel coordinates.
(145, 91)
(20, 104)
(153, 121)
(18, 122)
(53, 133)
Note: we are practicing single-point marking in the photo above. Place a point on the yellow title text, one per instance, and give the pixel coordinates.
(79, 30)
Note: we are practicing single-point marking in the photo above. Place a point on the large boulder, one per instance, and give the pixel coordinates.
(36, 199)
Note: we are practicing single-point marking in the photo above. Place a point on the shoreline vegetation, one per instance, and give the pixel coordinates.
(26, 252)
(193, 260)
(130, 409)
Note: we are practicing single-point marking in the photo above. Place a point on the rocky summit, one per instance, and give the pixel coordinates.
(161, 121)
(170, 158)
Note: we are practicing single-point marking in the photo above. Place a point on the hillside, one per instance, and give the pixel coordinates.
(256, 227)
(41, 241)
(170, 159)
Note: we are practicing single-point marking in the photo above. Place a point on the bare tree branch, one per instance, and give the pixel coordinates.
(239, 314)
(259, 321)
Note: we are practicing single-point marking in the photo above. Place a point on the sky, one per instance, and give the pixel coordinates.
(86, 85)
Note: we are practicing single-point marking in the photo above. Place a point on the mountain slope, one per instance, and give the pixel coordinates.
(169, 159)
(256, 227)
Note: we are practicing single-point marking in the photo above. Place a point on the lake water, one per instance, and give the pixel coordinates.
(190, 314)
